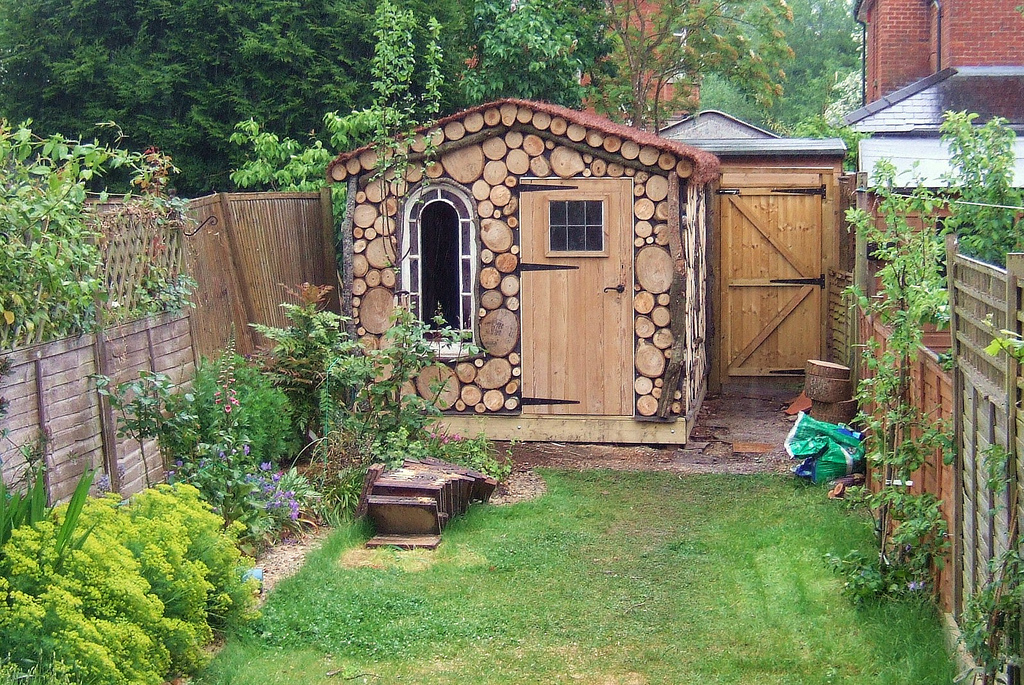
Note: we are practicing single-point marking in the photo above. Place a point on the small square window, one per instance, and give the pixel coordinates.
(576, 226)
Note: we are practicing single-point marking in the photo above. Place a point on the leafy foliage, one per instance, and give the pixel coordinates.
(664, 48)
(911, 532)
(136, 602)
(534, 49)
(982, 159)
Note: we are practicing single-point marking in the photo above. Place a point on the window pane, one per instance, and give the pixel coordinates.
(576, 226)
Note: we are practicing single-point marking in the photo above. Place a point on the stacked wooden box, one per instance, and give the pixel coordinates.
(411, 505)
(830, 390)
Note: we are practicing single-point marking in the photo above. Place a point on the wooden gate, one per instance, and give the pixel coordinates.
(577, 297)
(775, 254)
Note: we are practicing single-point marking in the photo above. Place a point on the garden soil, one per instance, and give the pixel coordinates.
(737, 432)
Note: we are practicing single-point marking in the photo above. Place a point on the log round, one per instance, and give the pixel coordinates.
(375, 310)
(654, 269)
(566, 162)
(663, 339)
(666, 161)
(492, 117)
(643, 208)
(533, 145)
(661, 316)
(359, 265)
(513, 139)
(512, 387)
(506, 262)
(818, 367)
(834, 412)
(643, 385)
(524, 115)
(414, 173)
(473, 122)
(439, 385)
(576, 133)
(372, 278)
(489, 278)
(485, 209)
(460, 405)
(368, 160)
(494, 374)
(657, 188)
(491, 299)
(539, 167)
(481, 189)
(595, 138)
(465, 165)
(494, 400)
(471, 395)
(514, 359)
(647, 405)
(434, 169)
(649, 155)
(650, 361)
(661, 211)
(518, 162)
(612, 143)
(494, 148)
(644, 327)
(359, 246)
(684, 169)
(511, 403)
(541, 120)
(377, 253)
(615, 169)
(374, 191)
(388, 278)
(466, 373)
(369, 342)
(358, 287)
(495, 172)
(508, 113)
(339, 172)
(629, 149)
(510, 285)
(558, 126)
(454, 130)
(643, 302)
(364, 215)
(500, 195)
(496, 235)
(479, 408)
(499, 332)
(512, 303)
(643, 228)
(599, 167)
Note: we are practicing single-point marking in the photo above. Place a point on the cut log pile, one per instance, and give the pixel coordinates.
(487, 153)
(411, 505)
(830, 390)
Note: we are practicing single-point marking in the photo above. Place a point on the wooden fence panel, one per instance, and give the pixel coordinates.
(52, 397)
(841, 313)
(250, 248)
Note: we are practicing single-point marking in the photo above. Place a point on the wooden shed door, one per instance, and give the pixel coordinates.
(576, 297)
(773, 270)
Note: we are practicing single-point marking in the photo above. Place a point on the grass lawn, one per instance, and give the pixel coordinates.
(611, 577)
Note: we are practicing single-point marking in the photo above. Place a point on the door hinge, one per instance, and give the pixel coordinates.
(527, 266)
(819, 281)
(801, 191)
(538, 401)
(537, 187)
(727, 191)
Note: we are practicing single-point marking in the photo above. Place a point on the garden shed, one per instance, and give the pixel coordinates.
(571, 250)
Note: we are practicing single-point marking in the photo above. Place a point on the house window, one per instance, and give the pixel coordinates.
(576, 226)
(440, 255)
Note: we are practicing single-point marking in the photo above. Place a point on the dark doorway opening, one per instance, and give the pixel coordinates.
(439, 261)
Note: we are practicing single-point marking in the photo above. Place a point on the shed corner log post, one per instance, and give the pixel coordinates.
(677, 301)
(346, 256)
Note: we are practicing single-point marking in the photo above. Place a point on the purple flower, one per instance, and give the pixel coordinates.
(246, 450)
(265, 466)
(276, 477)
(915, 585)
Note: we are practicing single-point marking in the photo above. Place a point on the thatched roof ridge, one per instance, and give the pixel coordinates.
(705, 164)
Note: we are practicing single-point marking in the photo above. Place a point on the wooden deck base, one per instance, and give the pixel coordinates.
(568, 428)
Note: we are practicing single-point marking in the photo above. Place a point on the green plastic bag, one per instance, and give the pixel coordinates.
(828, 450)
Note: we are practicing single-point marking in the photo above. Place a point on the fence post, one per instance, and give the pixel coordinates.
(957, 551)
(108, 422)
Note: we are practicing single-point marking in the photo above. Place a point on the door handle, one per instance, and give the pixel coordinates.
(620, 288)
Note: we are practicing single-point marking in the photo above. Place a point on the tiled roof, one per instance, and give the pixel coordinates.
(711, 123)
(705, 164)
(918, 108)
(771, 147)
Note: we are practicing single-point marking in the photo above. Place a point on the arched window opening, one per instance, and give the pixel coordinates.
(439, 257)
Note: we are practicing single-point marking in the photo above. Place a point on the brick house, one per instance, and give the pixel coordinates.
(925, 57)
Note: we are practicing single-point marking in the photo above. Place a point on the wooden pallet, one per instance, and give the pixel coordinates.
(417, 500)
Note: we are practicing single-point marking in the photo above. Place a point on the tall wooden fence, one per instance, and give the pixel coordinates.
(247, 250)
(56, 412)
(989, 419)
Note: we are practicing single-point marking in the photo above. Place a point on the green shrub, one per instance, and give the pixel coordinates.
(141, 597)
